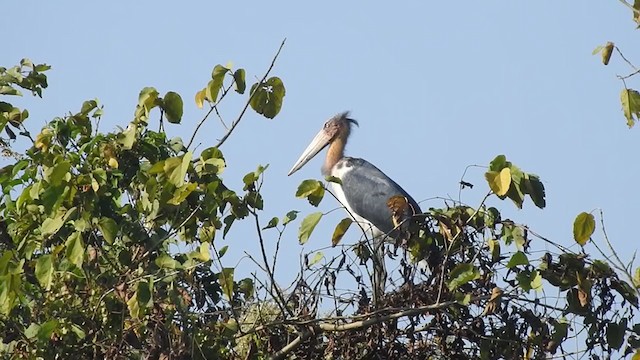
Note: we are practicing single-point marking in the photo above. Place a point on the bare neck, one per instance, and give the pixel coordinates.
(334, 154)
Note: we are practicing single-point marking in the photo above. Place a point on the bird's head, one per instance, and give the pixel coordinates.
(336, 128)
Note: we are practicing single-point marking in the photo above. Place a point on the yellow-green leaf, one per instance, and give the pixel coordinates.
(44, 270)
(200, 96)
(226, 282)
(630, 100)
(172, 106)
(181, 193)
(75, 249)
(311, 189)
(108, 228)
(583, 227)
(462, 274)
(499, 182)
(607, 50)
(306, 227)
(316, 258)
(340, 230)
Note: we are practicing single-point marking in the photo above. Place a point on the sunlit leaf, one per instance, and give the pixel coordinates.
(200, 97)
(519, 258)
(313, 190)
(290, 216)
(75, 249)
(462, 274)
(306, 227)
(340, 230)
(315, 259)
(630, 100)
(44, 271)
(583, 227)
(226, 282)
(499, 182)
(181, 193)
(167, 262)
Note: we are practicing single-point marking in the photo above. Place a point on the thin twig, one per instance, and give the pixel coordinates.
(246, 106)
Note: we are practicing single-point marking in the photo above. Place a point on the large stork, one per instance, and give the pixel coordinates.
(366, 192)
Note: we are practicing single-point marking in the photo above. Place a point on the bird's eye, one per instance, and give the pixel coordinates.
(326, 125)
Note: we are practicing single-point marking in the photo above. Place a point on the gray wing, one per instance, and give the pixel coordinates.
(367, 190)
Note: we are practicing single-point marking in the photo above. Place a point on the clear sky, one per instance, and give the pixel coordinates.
(436, 86)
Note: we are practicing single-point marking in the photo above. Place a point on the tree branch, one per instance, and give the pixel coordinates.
(246, 106)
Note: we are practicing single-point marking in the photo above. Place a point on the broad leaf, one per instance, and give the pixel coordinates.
(630, 100)
(499, 182)
(172, 106)
(462, 274)
(583, 227)
(340, 230)
(108, 228)
(306, 227)
(315, 259)
(226, 282)
(313, 190)
(44, 271)
(519, 258)
(267, 97)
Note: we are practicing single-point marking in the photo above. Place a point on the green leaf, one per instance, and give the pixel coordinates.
(272, 223)
(75, 249)
(615, 335)
(204, 254)
(59, 172)
(44, 271)
(606, 52)
(78, 331)
(313, 190)
(630, 100)
(32, 331)
(499, 163)
(626, 291)
(133, 306)
(165, 261)
(223, 251)
(499, 182)
(214, 86)
(340, 230)
(316, 258)
(181, 193)
(47, 329)
(51, 226)
(519, 258)
(246, 287)
(147, 100)
(290, 216)
(226, 282)
(108, 228)
(128, 137)
(532, 186)
(462, 274)
(306, 227)
(267, 97)
(583, 227)
(333, 179)
(144, 293)
(176, 168)
(240, 83)
(172, 106)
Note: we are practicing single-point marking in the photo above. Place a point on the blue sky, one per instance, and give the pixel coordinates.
(436, 86)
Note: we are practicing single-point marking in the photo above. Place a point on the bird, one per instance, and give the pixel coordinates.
(380, 206)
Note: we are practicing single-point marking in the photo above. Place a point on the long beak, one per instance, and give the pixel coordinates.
(318, 143)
